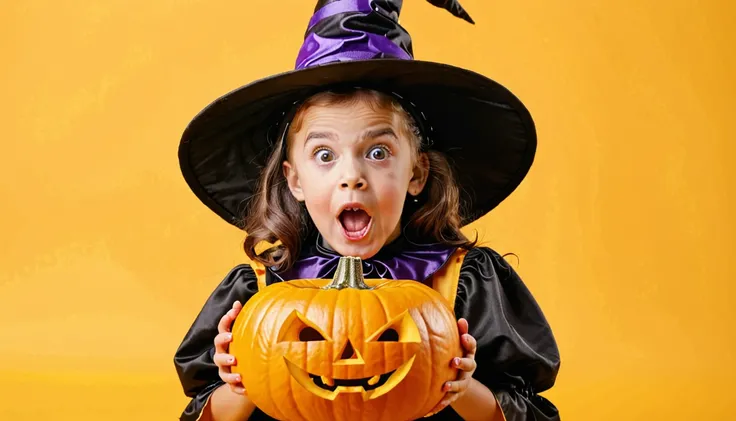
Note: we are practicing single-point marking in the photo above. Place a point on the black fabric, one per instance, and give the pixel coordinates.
(193, 360)
(517, 355)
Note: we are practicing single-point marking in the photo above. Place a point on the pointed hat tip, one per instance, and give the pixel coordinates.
(454, 7)
(462, 13)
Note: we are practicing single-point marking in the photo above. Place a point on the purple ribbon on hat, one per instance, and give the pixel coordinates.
(415, 262)
(350, 45)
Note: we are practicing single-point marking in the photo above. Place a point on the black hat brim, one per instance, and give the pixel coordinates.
(485, 131)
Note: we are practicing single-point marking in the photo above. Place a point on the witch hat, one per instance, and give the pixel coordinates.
(484, 130)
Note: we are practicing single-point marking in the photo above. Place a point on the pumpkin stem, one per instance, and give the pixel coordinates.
(349, 274)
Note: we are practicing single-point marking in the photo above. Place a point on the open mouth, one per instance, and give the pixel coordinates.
(355, 221)
(369, 387)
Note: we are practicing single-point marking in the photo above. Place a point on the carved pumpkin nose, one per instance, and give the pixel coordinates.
(348, 353)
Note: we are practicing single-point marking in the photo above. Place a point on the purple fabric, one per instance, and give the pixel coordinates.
(342, 6)
(416, 262)
(350, 45)
(318, 50)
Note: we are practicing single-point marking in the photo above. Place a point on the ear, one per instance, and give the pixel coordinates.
(420, 174)
(292, 179)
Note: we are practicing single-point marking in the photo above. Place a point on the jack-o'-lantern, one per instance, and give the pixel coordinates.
(346, 349)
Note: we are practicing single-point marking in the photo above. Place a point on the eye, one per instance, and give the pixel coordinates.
(309, 334)
(324, 155)
(389, 335)
(378, 153)
(401, 328)
(297, 328)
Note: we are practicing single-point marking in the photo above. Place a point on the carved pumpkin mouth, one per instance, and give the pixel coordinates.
(369, 387)
(367, 383)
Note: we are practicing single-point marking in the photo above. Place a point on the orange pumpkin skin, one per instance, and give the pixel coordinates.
(346, 339)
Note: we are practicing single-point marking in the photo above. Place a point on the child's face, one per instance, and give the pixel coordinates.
(351, 156)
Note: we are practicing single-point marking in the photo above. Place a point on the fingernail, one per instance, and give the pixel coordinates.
(231, 359)
(229, 336)
(456, 361)
(240, 390)
(447, 386)
(237, 378)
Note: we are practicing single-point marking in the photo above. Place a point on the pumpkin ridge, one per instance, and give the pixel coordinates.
(240, 328)
(386, 317)
(258, 328)
(353, 298)
(242, 325)
(305, 357)
(334, 408)
(391, 296)
(292, 398)
(363, 318)
(379, 297)
(408, 303)
(354, 302)
(254, 302)
(432, 299)
(310, 298)
(331, 324)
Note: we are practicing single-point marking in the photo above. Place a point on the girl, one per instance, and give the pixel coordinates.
(352, 154)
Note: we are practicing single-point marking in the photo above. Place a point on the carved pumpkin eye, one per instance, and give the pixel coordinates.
(297, 328)
(401, 329)
(308, 334)
(389, 335)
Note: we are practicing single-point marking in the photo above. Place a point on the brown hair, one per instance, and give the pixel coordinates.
(271, 211)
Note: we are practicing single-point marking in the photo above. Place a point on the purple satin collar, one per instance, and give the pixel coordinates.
(399, 261)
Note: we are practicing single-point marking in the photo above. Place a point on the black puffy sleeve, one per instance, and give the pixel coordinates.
(517, 355)
(193, 360)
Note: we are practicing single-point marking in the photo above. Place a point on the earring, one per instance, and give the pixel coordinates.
(416, 200)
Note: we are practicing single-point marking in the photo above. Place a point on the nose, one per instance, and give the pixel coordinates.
(352, 176)
(348, 353)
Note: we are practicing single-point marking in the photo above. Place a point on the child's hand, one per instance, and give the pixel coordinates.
(222, 359)
(466, 365)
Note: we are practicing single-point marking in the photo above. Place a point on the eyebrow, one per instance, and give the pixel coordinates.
(386, 131)
(370, 134)
(319, 135)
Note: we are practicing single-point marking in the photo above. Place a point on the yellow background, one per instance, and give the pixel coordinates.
(625, 225)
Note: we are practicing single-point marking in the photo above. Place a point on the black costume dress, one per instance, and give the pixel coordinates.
(517, 356)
